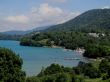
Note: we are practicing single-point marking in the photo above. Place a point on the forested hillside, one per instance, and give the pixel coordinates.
(95, 46)
(96, 20)
(10, 37)
(90, 30)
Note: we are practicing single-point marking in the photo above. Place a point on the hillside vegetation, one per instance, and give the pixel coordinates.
(84, 72)
(94, 46)
(11, 64)
(90, 31)
(96, 20)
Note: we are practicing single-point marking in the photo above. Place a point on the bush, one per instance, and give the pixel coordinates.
(104, 66)
(94, 51)
(32, 79)
(10, 67)
(63, 78)
(52, 69)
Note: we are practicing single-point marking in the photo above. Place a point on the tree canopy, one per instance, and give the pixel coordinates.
(10, 67)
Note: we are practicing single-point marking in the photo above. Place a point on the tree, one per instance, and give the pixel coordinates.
(91, 71)
(10, 66)
(104, 66)
(63, 78)
(52, 69)
(33, 79)
(49, 78)
(94, 51)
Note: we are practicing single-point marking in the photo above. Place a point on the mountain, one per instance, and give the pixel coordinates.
(65, 35)
(10, 37)
(14, 32)
(92, 20)
(96, 20)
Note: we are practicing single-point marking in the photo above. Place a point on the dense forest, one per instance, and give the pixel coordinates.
(90, 31)
(95, 46)
(10, 37)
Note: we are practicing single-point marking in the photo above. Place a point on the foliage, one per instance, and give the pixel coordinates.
(10, 37)
(63, 78)
(10, 67)
(32, 79)
(104, 66)
(53, 69)
(96, 20)
(94, 51)
(95, 46)
(87, 69)
(87, 72)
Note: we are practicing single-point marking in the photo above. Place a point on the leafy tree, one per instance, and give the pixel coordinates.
(33, 79)
(94, 51)
(104, 66)
(49, 79)
(63, 78)
(52, 69)
(10, 66)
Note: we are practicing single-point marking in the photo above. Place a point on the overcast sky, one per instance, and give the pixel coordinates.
(29, 14)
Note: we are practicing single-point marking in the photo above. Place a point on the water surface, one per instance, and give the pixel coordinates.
(36, 57)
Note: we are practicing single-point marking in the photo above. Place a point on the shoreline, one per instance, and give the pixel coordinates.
(77, 50)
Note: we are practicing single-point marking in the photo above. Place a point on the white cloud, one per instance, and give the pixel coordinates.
(106, 7)
(52, 15)
(46, 10)
(38, 16)
(58, 1)
(17, 19)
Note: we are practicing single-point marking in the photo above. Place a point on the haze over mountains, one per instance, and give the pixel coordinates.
(90, 21)
(14, 32)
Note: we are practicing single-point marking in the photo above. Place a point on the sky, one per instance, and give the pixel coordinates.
(29, 14)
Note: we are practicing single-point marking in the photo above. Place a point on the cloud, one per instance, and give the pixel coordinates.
(43, 15)
(58, 1)
(106, 7)
(46, 10)
(17, 19)
(51, 15)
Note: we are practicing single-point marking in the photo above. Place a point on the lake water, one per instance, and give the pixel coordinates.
(36, 57)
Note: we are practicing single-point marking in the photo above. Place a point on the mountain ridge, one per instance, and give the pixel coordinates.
(94, 20)
(17, 32)
(90, 20)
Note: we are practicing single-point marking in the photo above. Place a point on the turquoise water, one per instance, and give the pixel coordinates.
(36, 57)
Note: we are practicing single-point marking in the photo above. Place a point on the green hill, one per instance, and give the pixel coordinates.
(73, 34)
(90, 21)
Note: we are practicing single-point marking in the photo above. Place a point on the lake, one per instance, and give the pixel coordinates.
(34, 58)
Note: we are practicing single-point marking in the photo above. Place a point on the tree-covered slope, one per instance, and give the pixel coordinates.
(10, 37)
(19, 33)
(74, 34)
(92, 20)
